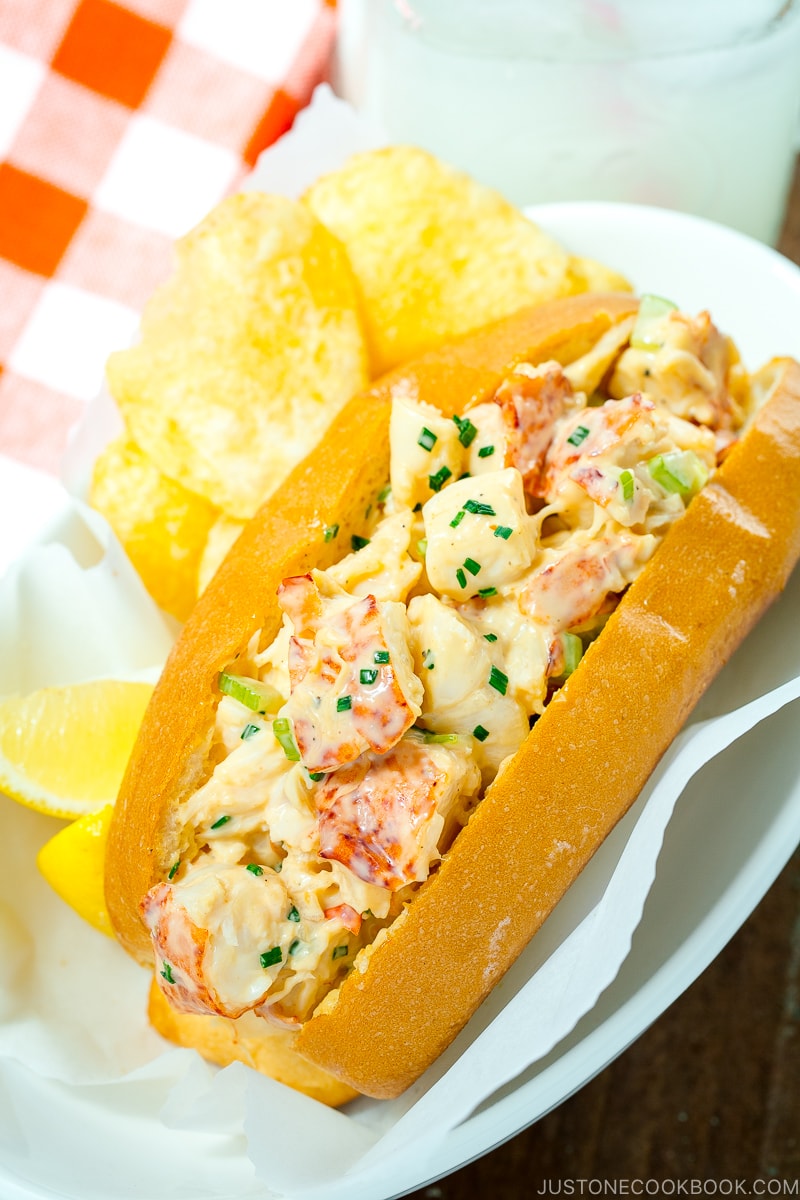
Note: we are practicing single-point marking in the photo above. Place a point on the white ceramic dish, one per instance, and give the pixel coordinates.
(721, 852)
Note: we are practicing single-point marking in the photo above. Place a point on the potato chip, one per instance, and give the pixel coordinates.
(221, 536)
(246, 353)
(434, 253)
(596, 277)
(162, 525)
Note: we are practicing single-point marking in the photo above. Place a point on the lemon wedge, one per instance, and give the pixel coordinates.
(63, 751)
(72, 863)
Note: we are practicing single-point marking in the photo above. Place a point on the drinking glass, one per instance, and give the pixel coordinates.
(690, 105)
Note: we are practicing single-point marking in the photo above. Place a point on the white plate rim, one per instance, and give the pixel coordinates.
(506, 1117)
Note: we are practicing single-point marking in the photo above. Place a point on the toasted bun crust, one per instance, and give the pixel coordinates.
(582, 766)
(618, 712)
(268, 1050)
(332, 486)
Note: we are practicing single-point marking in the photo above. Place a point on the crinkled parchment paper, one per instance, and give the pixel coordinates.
(92, 1102)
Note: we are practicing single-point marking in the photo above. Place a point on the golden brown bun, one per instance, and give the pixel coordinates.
(333, 485)
(583, 764)
(618, 712)
(269, 1050)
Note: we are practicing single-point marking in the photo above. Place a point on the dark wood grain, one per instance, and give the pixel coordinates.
(711, 1091)
(790, 238)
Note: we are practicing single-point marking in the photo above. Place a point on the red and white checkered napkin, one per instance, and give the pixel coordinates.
(121, 124)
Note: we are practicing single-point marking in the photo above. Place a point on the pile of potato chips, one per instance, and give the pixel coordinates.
(276, 314)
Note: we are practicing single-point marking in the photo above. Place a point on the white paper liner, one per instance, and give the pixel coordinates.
(73, 1020)
(91, 1105)
(100, 424)
(73, 609)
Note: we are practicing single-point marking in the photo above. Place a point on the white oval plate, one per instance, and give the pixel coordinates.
(721, 851)
(707, 884)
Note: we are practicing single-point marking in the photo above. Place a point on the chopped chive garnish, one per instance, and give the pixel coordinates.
(330, 532)
(578, 435)
(503, 531)
(417, 507)
(248, 731)
(427, 439)
(293, 915)
(486, 452)
(465, 475)
(486, 592)
(358, 543)
(368, 675)
(439, 739)
(283, 732)
(466, 430)
(222, 821)
(438, 480)
(344, 703)
(173, 871)
(422, 546)
(381, 656)
(498, 681)
(254, 869)
(383, 494)
(315, 776)
(490, 637)
(340, 951)
(457, 519)
(472, 566)
(461, 577)
(427, 660)
(270, 957)
(626, 480)
(294, 945)
(483, 510)
(166, 972)
(480, 733)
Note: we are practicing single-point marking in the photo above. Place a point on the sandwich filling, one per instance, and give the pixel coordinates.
(348, 752)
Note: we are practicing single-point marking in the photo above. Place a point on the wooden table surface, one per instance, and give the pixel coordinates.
(711, 1092)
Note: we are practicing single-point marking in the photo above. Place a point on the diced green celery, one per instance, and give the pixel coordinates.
(573, 652)
(260, 697)
(282, 729)
(418, 734)
(651, 310)
(680, 472)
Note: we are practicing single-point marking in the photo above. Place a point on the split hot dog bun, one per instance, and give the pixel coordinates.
(574, 776)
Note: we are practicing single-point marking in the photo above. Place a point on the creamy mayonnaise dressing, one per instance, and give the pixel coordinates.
(411, 669)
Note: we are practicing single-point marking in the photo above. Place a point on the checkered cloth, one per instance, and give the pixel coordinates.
(121, 124)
